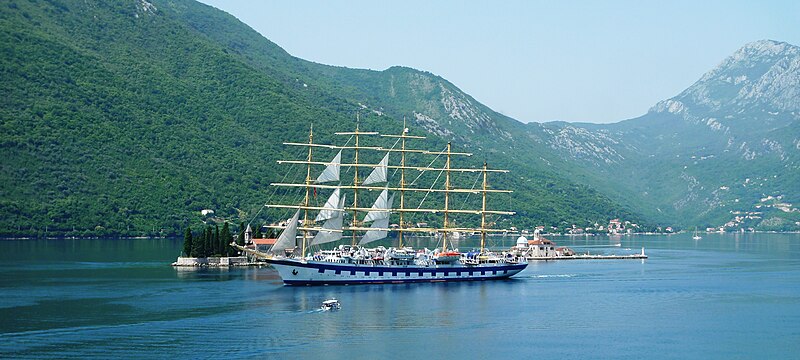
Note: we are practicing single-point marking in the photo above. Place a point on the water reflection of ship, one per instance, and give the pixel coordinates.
(357, 263)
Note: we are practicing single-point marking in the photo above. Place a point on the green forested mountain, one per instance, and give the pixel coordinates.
(128, 117)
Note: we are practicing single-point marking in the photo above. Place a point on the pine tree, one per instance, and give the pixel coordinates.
(187, 242)
(257, 234)
(225, 239)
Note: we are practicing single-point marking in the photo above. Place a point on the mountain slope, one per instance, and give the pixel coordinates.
(710, 153)
(128, 117)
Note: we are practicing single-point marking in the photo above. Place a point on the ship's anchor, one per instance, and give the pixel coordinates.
(294, 272)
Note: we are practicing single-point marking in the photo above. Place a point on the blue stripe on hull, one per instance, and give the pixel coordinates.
(392, 281)
(360, 273)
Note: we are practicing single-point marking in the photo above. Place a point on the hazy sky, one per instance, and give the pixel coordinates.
(592, 61)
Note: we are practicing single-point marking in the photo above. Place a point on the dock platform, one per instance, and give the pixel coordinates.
(588, 256)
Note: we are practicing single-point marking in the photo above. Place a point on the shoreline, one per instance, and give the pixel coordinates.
(88, 237)
(11, 238)
(216, 262)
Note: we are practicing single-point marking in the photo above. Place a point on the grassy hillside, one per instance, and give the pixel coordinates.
(121, 118)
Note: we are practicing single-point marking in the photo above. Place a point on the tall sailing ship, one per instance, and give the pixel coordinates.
(299, 259)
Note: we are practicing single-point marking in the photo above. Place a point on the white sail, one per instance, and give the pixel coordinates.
(326, 236)
(373, 235)
(331, 172)
(378, 174)
(288, 236)
(381, 206)
(330, 207)
(334, 223)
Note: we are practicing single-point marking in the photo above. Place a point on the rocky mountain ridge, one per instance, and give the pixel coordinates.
(737, 123)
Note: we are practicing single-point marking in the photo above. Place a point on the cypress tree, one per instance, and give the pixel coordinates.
(257, 234)
(225, 239)
(198, 244)
(217, 245)
(240, 238)
(209, 241)
(204, 247)
(187, 242)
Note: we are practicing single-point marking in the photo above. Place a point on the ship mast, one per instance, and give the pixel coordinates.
(308, 190)
(355, 184)
(402, 188)
(355, 165)
(402, 183)
(483, 211)
(446, 198)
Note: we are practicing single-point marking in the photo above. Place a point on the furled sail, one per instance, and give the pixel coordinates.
(331, 172)
(332, 226)
(288, 236)
(372, 235)
(378, 174)
(330, 207)
(382, 203)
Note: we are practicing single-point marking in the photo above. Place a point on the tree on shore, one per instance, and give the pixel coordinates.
(240, 238)
(198, 246)
(225, 239)
(217, 248)
(187, 242)
(209, 241)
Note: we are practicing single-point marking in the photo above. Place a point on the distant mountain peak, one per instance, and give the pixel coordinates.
(766, 48)
(765, 72)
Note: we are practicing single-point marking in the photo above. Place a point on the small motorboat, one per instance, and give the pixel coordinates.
(331, 304)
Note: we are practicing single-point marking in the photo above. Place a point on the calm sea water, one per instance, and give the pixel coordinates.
(725, 296)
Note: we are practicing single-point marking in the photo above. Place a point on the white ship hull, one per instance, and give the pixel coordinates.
(297, 272)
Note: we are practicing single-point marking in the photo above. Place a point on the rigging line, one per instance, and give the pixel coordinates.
(473, 188)
(275, 191)
(429, 165)
(432, 185)
(393, 146)
(346, 171)
(283, 194)
(439, 238)
(272, 195)
(494, 218)
(298, 197)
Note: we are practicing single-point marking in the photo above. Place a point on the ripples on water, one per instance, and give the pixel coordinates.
(722, 297)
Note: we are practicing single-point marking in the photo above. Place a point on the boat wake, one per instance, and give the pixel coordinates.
(555, 276)
(546, 276)
(597, 246)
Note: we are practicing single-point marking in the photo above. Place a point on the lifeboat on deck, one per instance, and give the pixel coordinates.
(446, 257)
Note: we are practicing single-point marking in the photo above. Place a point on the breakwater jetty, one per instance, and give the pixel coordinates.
(216, 261)
(588, 257)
